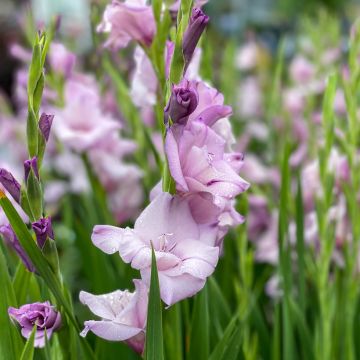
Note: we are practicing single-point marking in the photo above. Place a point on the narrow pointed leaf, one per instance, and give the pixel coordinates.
(28, 351)
(199, 341)
(154, 349)
(10, 341)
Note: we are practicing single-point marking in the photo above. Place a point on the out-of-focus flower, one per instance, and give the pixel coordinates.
(13, 242)
(123, 315)
(340, 103)
(301, 70)
(61, 59)
(196, 26)
(29, 165)
(126, 21)
(184, 255)
(144, 81)
(250, 98)
(10, 184)
(198, 163)
(247, 56)
(121, 181)
(43, 229)
(42, 315)
(183, 102)
(81, 125)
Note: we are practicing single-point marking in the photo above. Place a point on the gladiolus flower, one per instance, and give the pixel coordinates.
(43, 229)
(185, 251)
(10, 184)
(13, 242)
(193, 32)
(183, 102)
(45, 124)
(123, 315)
(126, 21)
(198, 163)
(31, 165)
(42, 315)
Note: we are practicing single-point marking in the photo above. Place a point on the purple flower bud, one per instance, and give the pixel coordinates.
(197, 24)
(13, 242)
(10, 184)
(31, 165)
(43, 229)
(42, 315)
(45, 123)
(183, 102)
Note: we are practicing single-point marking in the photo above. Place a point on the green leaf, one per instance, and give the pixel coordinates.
(10, 341)
(32, 132)
(233, 346)
(28, 351)
(21, 283)
(300, 245)
(38, 93)
(35, 255)
(154, 348)
(35, 69)
(219, 308)
(35, 195)
(222, 345)
(199, 337)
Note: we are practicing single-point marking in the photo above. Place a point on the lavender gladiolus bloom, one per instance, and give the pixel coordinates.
(13, 242)
(123, 315)
(185, 251)
(198, 162)
(197, 24)
(31, 165)
(126, 21)
(43, 229)
(45, 124)
(183, 102)
(42, 315)
(10, 184)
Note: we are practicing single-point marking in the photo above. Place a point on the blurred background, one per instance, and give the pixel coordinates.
(236, 19)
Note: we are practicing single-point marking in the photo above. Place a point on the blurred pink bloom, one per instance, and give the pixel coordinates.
(121, 182)
(198, 162)
(126, 21)
(294, 101)
(259, 173)
(61, 59)
(330, 56)
(81, 125)
(340, 103)
(123, 315)
(250, 98)
(185, 252)
(247, 56)
(144, 81)
(301, 70)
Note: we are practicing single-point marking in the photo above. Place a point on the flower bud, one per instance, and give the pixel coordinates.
(45, 124)
(197, 24)
(10, 184)
(43, 229)
(13, 242)
(31, 165)
(183, 102)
